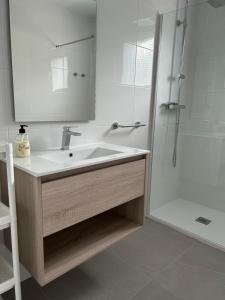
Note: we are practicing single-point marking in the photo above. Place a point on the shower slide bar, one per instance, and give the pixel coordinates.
(181, 77)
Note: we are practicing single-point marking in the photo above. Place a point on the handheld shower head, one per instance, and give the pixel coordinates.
(216, 3)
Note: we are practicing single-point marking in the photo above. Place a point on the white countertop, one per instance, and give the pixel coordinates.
(37, 164)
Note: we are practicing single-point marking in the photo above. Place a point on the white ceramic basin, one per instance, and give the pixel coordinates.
(73, 155)
(43, 163)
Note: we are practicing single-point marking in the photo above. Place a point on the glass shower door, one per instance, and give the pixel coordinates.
(166, 147)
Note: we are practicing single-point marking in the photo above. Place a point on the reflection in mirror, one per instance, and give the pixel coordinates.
(53, 59)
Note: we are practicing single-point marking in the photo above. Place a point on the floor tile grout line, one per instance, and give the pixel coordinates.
(130, 266)
(157, 273)
(173, 261)
(156, 279)
(135, 268)
(185, 264)
(203, 267)
(194, 244)
(152, 281)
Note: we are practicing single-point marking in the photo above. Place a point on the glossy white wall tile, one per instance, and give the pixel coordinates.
(115, 103)
(142, 104)
(146, 24)
(118, 20)
(144, 58)
(140, 138)
(105, 134)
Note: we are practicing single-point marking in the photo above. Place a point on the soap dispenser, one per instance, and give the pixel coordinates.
(22, 143)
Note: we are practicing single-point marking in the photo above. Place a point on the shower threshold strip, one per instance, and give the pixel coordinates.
(186, 216)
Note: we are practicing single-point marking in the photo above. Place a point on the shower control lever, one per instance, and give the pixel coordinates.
(181, 76)
(172, 106)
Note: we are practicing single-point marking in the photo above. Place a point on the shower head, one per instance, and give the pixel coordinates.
(216, 3)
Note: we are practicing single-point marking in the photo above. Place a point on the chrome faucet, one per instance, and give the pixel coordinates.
(67, 136)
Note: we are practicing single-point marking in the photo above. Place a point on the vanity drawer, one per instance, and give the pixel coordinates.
(71, 200)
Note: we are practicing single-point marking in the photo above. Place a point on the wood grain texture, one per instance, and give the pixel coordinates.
(71, 247)
(87, 169)
(29, 216)
(147, 184)
(71, 200)
(133, 210)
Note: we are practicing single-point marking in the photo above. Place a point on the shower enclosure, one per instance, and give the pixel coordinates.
(188, 144)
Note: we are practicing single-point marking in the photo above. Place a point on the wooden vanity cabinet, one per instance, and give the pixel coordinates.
(66, 218)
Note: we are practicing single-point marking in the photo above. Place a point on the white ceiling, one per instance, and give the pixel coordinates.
(84, 7)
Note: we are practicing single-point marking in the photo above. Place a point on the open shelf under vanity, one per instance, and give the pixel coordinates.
(70, 247)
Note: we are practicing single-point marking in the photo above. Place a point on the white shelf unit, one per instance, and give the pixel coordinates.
(7, 281)
(10, 275)
(4, 216)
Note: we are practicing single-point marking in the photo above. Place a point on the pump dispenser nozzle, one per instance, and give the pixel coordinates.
(22, 130)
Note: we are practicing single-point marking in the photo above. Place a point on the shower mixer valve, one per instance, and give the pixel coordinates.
(181, 76)
(172, 106)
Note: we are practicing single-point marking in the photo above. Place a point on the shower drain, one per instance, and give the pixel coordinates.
(203, 221)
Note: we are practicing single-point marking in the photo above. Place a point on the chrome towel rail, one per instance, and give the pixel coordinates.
(75, 42)
(116, 125)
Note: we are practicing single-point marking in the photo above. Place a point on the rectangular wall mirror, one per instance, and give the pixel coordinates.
(53, 59)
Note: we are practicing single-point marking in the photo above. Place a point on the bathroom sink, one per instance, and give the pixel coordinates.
(68, 156)
(43, 163)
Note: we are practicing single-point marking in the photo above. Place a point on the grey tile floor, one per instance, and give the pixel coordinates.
(156, 263)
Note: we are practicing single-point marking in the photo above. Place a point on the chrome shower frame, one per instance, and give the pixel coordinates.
(153, 100)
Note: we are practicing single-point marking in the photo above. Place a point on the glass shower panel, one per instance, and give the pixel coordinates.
(164, 185)
(169, 183)
(202, 170)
